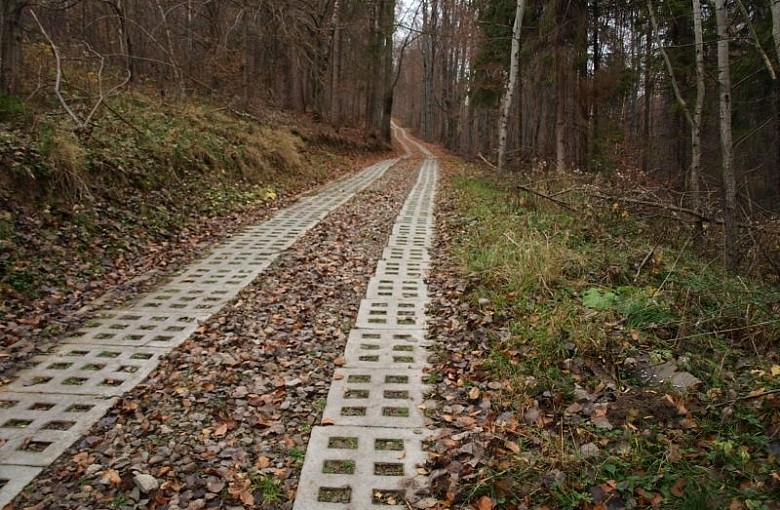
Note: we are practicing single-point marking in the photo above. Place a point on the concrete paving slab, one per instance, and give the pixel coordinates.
(396, 287)
(362, 351)
(13, 479)
(86, 369)
(131, 328)
(359, 468)
(36, 428)
(376, 397)
(408, 269)
(396, 314)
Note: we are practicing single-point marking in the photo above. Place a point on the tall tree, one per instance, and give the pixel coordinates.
(10, 44)
(726, 143)
(511, 86)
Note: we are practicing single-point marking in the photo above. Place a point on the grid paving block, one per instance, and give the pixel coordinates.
(83, 369)
(396, 287)
(183, 299)
(131, 328)
(376, 397)
(245, 256)
(398, 314)
(372, 349)
(397, 254)
(388, 336)
(406, 241)
(407, 269)
(13, 479)
(359, 468)
(412, 230)
(36, 428)
(206, 274)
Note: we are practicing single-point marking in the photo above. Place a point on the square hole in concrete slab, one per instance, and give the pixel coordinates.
(394, 445)
(77, 353)
(388, 469)
(396, 412)
(39, 380)
(343, 443)
(338, 467)
(353, 411)
(34, 446)
(8, 404)
(359, 378)
(75, 381)
(403, 348)
(142, 355)
(41, 406)
(79, 408)
(60, 366)
(17, 424)
(373, 359)
(109, 354)
(385, 497)
(403, 359)
(93, 367)
(396, 379)
(59, 425)
(396, 394)
(370, 347)
(3, 482)
(371, 336)
(112, 382)
(356, 393)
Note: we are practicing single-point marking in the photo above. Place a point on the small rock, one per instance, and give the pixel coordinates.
(484, 301)
(146, 483)
(589, 450)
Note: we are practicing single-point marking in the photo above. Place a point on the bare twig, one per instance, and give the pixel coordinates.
(674, 266)
(750, 396)
(488, 163)
(647, 257)
(557, 202)
(58, 78)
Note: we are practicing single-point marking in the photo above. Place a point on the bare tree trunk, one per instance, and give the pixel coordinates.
(560, 113)
(10, 45)
(429, 61)
(511, 86)
(729, 180)
(694, 178)
(646, 143)
(335, 63)
(775, 5)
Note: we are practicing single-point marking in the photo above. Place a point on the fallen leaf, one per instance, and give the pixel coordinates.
(485, 503)
(327, 421)
(511, 445)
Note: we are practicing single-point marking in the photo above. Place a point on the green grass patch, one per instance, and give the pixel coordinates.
(588, 298)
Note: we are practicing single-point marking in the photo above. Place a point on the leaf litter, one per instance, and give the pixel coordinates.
(225, 419)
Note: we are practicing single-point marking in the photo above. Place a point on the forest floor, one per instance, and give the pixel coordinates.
(584, 355)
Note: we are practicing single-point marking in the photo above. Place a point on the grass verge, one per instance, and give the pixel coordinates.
(592, 360)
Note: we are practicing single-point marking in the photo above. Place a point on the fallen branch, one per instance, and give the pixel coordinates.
(750, 396)
(488, 163)
(557, 202)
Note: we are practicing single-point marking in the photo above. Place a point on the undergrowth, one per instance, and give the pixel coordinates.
(75, 209)
(593, 298)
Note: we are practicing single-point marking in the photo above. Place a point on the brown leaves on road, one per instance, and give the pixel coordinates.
(225, 419)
